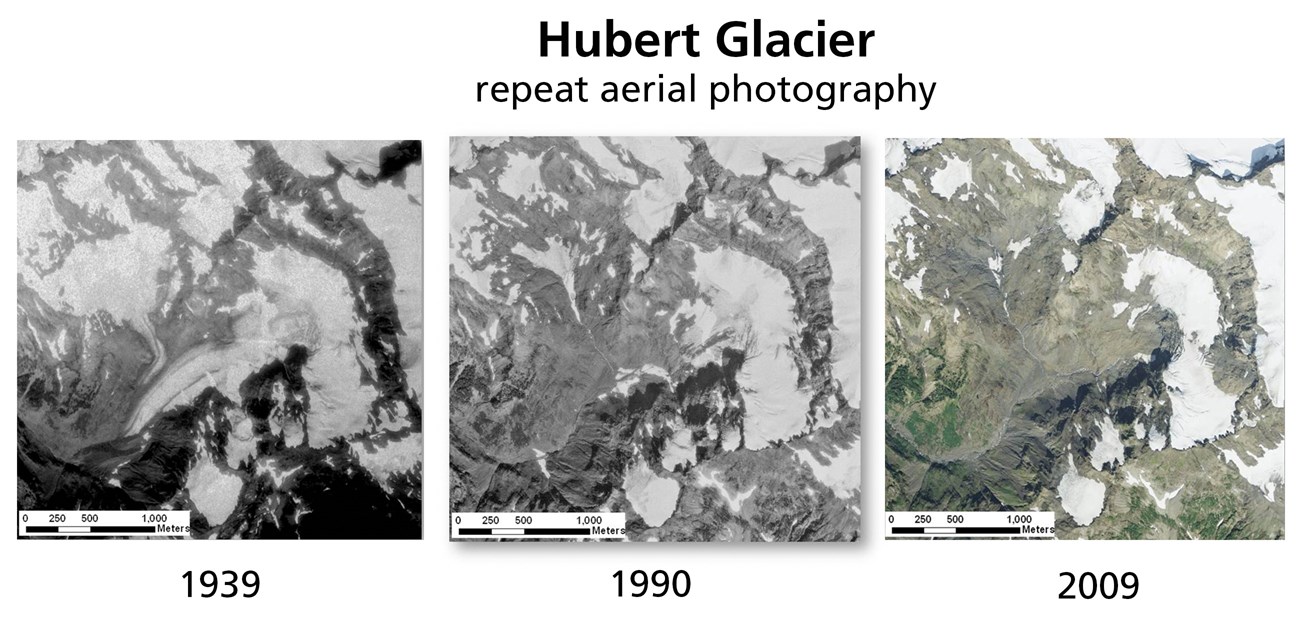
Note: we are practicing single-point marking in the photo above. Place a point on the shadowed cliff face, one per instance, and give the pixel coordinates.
(232, 329)
(1076, 326)
(651, 326)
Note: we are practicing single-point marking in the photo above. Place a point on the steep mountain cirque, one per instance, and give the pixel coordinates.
(1092, 327)
(229, 328)
(666, 327)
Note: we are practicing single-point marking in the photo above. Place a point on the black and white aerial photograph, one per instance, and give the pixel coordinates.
(664, 327)
(228, 329)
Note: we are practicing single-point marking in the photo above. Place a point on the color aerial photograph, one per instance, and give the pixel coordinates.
(1090, 327)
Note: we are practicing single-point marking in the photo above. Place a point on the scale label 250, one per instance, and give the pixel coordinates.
(531, 525)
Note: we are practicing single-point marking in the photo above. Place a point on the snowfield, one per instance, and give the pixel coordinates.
(954, 175)
(842, 473)
(1266, 471)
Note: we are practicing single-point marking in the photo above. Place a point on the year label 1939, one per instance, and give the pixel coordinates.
(228, 583)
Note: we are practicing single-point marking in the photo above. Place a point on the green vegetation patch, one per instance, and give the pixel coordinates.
(1142, 517)
(1007, 495)
(951, 439)
(1209, 517)
(923, 432)
(929, 433)
(948, 381)
(902, 384)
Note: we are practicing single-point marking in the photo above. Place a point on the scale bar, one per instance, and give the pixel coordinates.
(94, 529)
(954, 530)
(523, 531)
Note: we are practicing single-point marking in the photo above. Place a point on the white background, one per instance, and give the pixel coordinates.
(268, 69)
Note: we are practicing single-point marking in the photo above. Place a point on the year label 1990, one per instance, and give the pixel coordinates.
(655, 584)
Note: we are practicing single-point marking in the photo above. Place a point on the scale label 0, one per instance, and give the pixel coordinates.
(531, 525)
(981, 524)
(96, 523)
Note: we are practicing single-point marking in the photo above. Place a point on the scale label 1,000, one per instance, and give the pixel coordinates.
(67, 523)
(530, 525)
(983, 524)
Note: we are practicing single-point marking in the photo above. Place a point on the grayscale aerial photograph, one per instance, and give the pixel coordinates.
(228, 329)
(1091, 327)
(663, 327)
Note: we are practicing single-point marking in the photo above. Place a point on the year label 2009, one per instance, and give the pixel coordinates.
(1089, 585)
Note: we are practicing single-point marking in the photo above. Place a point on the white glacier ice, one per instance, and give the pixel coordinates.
(1036, 159)
(1081, 209)
(751, 298)
(1201, 411)
(896, 151)
(651, 496)
(213, 491)
(744, 155)
(649, 208)
(1095, 155)
(833, 211)
(1081, 497)
(1258, 211)
(1109, 448)
(1224, 157)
